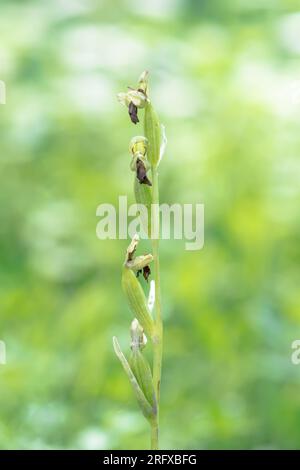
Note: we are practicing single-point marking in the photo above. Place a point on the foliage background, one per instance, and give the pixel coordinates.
(225, 78)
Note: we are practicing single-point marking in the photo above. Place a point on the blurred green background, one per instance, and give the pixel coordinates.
(225, 79)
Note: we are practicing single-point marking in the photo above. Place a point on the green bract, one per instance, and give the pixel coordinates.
(153, 134)
(137, 300)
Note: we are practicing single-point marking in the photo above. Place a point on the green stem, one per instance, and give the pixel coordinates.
(158, 336)
(154, 434)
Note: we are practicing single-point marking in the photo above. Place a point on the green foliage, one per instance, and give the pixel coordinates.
(223, 77)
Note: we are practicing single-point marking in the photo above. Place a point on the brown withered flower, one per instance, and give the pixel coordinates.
(135, 98)
(139, 264)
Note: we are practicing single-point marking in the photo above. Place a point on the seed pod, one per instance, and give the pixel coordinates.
(153, 134)
(143, 195)
(141, 369)
(137, 300)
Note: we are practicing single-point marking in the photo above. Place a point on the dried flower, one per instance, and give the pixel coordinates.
(134, 99)
(137, 263)
(139, 163)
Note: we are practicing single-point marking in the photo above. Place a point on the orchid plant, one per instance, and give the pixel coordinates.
(146, 326)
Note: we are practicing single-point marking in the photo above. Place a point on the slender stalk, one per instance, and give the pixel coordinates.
(158, 336)
(154, 434)
(146, 153)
